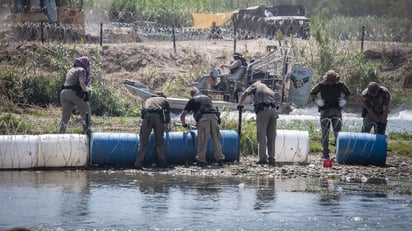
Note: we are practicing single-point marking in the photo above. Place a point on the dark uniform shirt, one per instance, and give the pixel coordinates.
(330, 93)
(200, 103)
(376, 103)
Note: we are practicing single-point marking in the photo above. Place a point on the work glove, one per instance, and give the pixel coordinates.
(342, 102)
(240, 107)
(320, 102)
(86, 96)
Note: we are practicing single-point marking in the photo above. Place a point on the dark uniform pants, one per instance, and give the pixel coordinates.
(151, 122)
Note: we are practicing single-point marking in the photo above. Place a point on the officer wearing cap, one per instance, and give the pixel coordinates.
(330, 95)
(156, 117)
(375, 103)
(265, 107)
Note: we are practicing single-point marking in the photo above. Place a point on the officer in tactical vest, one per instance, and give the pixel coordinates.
(156, 117)
(265, 107)
(328, 96)
(208, 120)
(375, 102)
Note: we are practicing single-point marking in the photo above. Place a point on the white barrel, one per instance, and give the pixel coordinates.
(63, 150)
(18, 151)
(292, 146)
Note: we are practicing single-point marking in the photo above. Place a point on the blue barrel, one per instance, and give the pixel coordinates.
(230, 144)
(179, 148)
(361, 148)
(113, 148)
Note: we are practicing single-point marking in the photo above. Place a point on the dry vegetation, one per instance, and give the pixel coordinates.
(162, 67)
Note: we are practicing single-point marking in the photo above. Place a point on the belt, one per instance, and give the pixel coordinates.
(74, 87)
(154, 111)
(268, 108)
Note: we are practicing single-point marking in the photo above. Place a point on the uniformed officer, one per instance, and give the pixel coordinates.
(330, 104)
(375, 102)
(156, 117)
(265, 107)
(207, 119)
(75, 92)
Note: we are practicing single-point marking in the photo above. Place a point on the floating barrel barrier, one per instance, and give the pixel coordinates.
(18, 151)
(113, 148)
(292, 146)
(180, 148)
(361, 148)
(63, 150)
(70, 150)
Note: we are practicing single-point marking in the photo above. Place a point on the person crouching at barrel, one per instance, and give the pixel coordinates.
(75, 92)
(375, 102)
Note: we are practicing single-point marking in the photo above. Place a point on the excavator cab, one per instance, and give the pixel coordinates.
(26, 15)
(52, 11)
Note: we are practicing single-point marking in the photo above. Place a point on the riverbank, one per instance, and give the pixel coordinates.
(396, 168)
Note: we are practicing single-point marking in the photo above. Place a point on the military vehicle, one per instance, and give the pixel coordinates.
(290, 20)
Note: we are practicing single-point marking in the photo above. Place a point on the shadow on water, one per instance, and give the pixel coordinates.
(156, 200)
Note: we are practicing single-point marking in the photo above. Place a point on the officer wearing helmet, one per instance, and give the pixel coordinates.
(330, 95)
(375, 103)
(238, 61)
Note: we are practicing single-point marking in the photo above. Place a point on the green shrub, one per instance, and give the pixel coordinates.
(42, 90)
(10, 124)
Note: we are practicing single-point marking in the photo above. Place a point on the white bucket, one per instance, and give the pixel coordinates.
(63, 150)
(292, 146)
(18, 151)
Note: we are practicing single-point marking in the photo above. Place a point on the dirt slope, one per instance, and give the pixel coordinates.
(158, 63)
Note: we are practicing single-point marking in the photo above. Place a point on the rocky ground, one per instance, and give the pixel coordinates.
(397, 168)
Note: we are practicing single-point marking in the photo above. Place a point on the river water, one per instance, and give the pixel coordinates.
(132, 200)
(398, 121)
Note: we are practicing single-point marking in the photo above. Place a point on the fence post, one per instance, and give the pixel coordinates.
(363, 37)
(101, 34)
(41, 32)
(174, 39)
(234, 40)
